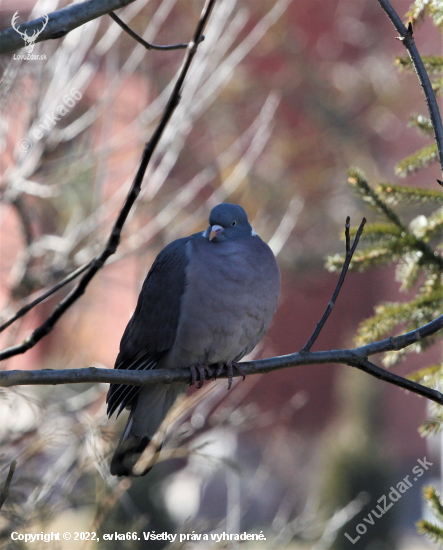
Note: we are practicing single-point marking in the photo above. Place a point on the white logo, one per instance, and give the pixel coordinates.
(29, 40)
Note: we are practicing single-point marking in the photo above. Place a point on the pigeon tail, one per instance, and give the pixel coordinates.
(147, 413)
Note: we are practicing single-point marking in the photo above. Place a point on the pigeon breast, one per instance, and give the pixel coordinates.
(231, 293)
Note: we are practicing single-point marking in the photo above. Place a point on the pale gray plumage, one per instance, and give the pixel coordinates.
(208, 299)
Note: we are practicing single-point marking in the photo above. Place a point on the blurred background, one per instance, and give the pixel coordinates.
(282, 98)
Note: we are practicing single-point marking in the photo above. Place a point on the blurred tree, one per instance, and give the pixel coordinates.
(413, 246)
(354, 463)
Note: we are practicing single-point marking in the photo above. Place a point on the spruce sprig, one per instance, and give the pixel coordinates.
(420, 159)
(433, 531)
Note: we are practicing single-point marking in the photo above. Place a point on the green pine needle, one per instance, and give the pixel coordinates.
(408, 269)
(423, 124)
(358, 181)
(394, 357)
(420, 159)
(437, 86)
(436, 12)
(431, 227)
(432, 531)
(432, 63)
(434, 501)
(384, 252)
(423, 375)
(388, 315)
(376, 233)
(431, 427)
(371, 256)
(418, 10)
(399, 194)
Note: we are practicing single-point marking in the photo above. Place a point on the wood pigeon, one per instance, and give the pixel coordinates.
(207, 301)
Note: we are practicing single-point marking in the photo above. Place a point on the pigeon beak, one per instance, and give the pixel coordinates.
(215, 231)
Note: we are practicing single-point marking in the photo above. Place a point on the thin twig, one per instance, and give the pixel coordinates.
(143, 42)
(25, 219)
(22, 311)
(408, 42)
(114, 238)
(347, 235)
(387, 376)
(4, 494)
(25, 259)
(330, 307)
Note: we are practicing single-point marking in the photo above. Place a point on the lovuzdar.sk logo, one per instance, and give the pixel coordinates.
(29, 40)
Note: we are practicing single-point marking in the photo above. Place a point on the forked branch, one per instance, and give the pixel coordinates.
(349, 253)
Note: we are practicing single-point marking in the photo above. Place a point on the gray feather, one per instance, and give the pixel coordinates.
(203, 302)
(152, 405)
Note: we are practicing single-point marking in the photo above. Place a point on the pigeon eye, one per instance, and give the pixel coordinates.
(233, 223)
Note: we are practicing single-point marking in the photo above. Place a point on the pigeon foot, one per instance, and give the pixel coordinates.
(198, 379)
(230, 366)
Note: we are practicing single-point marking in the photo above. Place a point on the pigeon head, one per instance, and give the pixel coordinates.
(228, 221)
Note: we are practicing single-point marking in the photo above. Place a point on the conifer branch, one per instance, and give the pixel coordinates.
(399, 194)
(359, 182)
(437, 86)
(422, 123)
(434, 500)
(431, 530)
(420, 159)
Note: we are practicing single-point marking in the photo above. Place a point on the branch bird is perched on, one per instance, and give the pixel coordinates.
(207, 301)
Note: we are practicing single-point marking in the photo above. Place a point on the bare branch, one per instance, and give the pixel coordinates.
(352, 357)
(22, 311)
(4, 494)
(387, 376)
(25, 219)
(148, 45)
(330, 307)
(60, 22)
(347, 236)
(395, 343)
(114, 238)
(408, 42)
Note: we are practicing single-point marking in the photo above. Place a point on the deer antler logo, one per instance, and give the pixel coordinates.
(29, 40)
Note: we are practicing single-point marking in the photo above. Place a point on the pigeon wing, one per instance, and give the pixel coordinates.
(152, 330)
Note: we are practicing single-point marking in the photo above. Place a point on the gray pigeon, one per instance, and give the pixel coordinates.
(207, 301)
